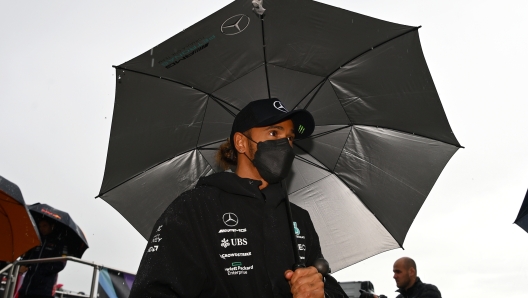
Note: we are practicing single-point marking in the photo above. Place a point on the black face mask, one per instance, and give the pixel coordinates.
(273, 159)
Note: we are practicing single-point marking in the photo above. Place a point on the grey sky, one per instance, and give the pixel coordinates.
(56, 103)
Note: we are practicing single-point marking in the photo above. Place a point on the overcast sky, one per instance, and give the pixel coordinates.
(56, 100)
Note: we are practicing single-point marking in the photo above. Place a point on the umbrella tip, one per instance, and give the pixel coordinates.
(257, 7)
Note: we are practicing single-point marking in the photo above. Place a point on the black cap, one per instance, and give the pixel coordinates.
(265, 112)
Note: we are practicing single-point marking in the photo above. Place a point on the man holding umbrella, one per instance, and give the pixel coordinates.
(230, 235)
(41, 277)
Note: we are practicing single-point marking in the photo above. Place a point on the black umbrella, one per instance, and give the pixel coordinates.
(522, 217)
(65, 228)
(18, 232)
(381, 141)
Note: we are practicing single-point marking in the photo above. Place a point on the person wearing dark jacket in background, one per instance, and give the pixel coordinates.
(409, 284)
(41, 277)
(229, 236)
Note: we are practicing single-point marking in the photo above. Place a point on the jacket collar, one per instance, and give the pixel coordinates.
(231, 183)
(410, 290)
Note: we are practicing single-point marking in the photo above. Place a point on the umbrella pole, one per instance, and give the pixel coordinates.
(298, 264)
(321, 264)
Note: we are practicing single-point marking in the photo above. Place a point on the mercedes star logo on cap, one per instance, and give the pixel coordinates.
(278, 105)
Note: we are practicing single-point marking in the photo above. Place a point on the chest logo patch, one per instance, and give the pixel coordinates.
(230, 219)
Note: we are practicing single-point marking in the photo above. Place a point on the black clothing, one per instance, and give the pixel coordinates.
(41, 277)
(420, 290)
(226, 238)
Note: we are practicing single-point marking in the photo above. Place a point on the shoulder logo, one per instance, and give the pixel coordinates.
(235, 24)
(230, 219)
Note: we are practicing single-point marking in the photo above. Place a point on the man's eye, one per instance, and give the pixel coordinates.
(290, 139)
(273, 133)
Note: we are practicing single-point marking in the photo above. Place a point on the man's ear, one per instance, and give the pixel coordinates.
(240, 142)
(412, 271)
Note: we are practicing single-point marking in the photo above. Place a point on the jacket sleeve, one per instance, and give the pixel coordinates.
(54, 267)
(51, 267)
(48, 268)
(171, 264)
(332, 288)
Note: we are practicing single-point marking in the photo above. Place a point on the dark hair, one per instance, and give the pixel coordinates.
(226, 156)
(47, 220)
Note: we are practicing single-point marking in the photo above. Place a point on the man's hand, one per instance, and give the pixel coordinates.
(305, 283)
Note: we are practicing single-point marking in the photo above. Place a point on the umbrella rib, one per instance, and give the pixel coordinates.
(312, 163)
(208, 144)
(377, 126)
(201, 126)
(159, 77)
(205, 161)
(329, 132)
(319, 86)
(264, 52)
(221, 103)
(352, 59)
(217, 99)
(339, 177)
(152, 167)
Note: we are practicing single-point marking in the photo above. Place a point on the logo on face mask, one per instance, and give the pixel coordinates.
(278, 105)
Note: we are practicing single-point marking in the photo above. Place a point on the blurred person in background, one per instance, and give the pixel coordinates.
(409, 284)
(41, 278)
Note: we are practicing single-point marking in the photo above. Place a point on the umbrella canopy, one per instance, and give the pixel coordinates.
(65, 228)
(18, 232)
(381, 138)
(522, 217)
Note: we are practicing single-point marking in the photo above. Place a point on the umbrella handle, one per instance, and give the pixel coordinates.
(322, 266)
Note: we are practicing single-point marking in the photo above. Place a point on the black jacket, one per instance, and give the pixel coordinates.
(226, 238)
(41, 277)
(420, 290)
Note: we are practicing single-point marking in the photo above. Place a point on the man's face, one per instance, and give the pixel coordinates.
(276, 131)
(401, 274)
(44, 228)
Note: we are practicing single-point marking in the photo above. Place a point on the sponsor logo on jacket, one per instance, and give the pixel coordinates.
(235, 254)
(238, 269)
(233, 241)
(232, 230)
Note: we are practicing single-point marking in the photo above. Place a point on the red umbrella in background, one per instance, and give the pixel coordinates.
(18, 232)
